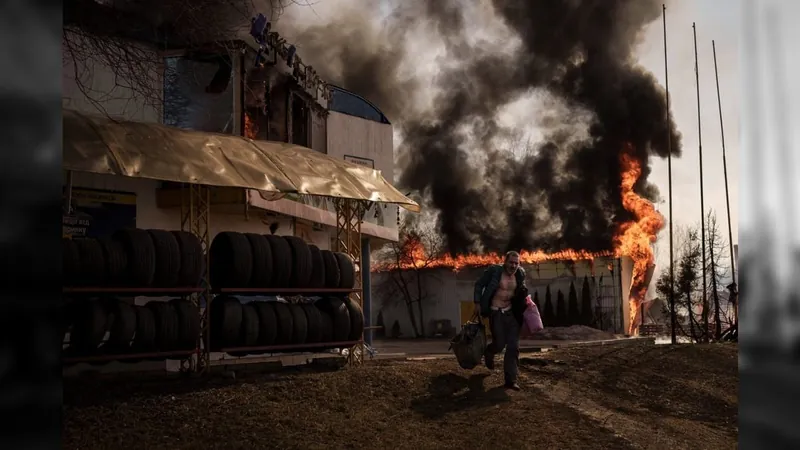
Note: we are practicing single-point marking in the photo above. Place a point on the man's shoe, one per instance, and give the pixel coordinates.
(488, 359)
(513, 386)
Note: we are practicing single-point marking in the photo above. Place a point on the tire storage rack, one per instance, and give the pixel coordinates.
(323, 300)
(315, 311)
(103, 326)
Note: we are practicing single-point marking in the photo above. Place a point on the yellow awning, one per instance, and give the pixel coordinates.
(145, 150)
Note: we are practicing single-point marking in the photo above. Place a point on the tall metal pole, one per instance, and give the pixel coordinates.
(673, 314)
(702, 203)
(725, 174)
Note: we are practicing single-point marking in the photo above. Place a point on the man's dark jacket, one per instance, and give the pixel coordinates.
(487, 285)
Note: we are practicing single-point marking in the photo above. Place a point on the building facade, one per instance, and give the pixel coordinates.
(446, 296)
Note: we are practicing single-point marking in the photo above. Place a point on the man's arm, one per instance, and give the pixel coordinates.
(481, 284)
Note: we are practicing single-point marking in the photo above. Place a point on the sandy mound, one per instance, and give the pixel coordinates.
(572, 333)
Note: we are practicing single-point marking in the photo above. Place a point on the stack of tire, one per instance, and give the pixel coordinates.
(249, 260)
(134, 258)
(254, 324)
(113, 326)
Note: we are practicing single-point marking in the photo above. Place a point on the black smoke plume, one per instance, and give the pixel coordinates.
(563, 194)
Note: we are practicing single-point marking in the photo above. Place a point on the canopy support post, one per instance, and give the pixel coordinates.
(349, 215)
(196, 218)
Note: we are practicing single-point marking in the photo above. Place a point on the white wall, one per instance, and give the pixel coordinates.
(354, 136)
(447, 289)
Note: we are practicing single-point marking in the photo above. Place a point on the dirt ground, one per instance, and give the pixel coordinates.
(607, 397)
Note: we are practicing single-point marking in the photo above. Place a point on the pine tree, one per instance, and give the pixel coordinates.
(561, 310)
(587, 316)
(548, 315)
(573, 315)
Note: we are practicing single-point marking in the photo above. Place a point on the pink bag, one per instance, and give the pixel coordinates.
(532, 321)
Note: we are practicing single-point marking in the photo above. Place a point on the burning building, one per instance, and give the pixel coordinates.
(445, 295)
(627, 269)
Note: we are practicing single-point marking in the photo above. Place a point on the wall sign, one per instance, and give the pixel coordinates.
(97, 213)
(367, 162)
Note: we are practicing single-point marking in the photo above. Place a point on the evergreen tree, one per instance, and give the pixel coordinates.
(561, 310)
(573, 315)
(587, 315)
(549, 314)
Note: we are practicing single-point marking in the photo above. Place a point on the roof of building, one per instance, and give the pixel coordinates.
(347, 102)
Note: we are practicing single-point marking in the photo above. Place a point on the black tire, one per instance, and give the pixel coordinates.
(317, 279)
(285, 323)
(193, 261)
(248, 333)
(168, 258)
(116, 261)
(71, 262)
(226, 321)
(145, 338)
(141, 255)
(356, 319)
(338, 313)
(314, 323)
(299, 324)
(347, 270)
(281, 261)
(332, 275)
(262, 260)
(89, 327)
(92, 263)
(122, 328)
(231, 260)
(166, 321)
(267, 323)
(301, 262)
(326, 327)
(188, 318)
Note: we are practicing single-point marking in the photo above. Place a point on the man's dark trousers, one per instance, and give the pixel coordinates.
(505, 334)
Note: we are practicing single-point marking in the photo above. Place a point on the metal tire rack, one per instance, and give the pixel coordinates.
(195, 214)
(195, 218)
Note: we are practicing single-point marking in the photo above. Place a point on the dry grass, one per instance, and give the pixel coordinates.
(594, 397)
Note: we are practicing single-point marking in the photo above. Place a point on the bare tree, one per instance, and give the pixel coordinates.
(410, 260)
(131, 37)
(718, 271)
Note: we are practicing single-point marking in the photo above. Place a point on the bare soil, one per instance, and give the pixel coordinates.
(573, 333)
(607, 397)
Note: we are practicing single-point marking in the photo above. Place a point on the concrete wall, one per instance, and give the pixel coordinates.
(445, 291)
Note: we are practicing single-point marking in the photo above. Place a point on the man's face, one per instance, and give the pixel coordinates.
(512, 264)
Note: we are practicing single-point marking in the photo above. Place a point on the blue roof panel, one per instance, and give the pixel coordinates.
(346, 102)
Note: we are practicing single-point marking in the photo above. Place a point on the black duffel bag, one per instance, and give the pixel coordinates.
(470, 343)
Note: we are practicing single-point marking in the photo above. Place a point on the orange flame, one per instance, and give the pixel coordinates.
(632, 239)
(250, 127)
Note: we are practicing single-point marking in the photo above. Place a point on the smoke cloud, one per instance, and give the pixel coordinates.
(561, 192)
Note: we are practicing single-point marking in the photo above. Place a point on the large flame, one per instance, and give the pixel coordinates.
(632, 239)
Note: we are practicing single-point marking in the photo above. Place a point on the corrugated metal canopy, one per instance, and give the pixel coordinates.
(145, 150)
